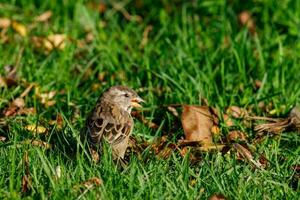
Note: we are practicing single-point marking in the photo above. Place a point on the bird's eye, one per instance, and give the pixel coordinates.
(126, 95)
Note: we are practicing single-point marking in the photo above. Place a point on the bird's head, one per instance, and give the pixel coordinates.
(123, 96)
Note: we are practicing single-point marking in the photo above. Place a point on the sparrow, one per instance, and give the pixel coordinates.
(111, 119)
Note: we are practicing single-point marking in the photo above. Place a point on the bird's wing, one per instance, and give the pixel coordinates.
(110, 123)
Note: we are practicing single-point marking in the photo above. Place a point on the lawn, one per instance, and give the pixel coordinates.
(57, 57)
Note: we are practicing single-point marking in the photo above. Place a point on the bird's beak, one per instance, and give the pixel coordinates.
(135, 102)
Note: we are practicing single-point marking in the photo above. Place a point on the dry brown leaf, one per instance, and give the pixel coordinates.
(2, 82)
(215, 130)
(95, 181)
(46, 98)
(57, 172)
(95, 155)
(197, 122)
(278, 125)
(228, 121)
(2, 138)
(19, 28)
(263, 161)
(173, 110)
(55, 41)
(245, 19)
(36, 129)
(19, 102)
(10, 111)
(217, 197)
(26, 111)
(236, 112)
(44, 16)
(38, 143)
(236, 136)
(5, 23)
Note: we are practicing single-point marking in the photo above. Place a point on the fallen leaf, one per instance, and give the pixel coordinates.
(228, 121)
(19, 102)
(236, 112)
(263, 161)
(19, 28)
(57, 172)
(26, 111)
(2, 138)
(217, 197)
(236, 136)
(95, 155)
(46, 98)
(197, 122)
(10, 111)
(55, 41)
(215, 130)
(36, 129)
(2, 82)
(296, 168)
(44, 16)
(95, 181)
(5, 23)
(38, 143)
(246, 20)
(173, 110)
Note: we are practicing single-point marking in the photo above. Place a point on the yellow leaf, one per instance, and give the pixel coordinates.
(5, 23)
(36, 129)
(44, 16)
(19, 28)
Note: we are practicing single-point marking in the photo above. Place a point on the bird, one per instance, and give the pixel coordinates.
(111, 120)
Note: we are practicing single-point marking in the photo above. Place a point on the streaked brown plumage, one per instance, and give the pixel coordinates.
(111, 120)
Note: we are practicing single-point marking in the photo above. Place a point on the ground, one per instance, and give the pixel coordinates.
(171, 52)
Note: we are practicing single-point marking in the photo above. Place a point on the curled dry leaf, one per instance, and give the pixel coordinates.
(36, 129)
(19, 102)
(217, 197)
(57, 172)
(236, 135)
(2, 138)
(38, 143)
(19, 28)
(5, 23)
(95, 181)
(44, 16)
(173, 110)
(55, 41)
(276, 126)
(236, 112)
(197, 122)
(95, 155)
(46, 98)
(246, 20)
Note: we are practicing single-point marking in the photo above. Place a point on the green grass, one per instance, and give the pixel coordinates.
(185, 58)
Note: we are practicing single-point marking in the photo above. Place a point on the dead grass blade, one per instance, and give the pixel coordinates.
(246, 154)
